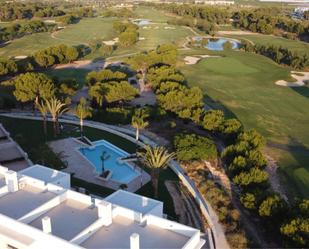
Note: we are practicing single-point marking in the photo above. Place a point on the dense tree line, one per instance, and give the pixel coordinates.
(191, 147)
(201, 24)
(43, 58)
(128, 33)
(18, 30)
(55, 55)
(108, 86)
(297, 60)
(271, 21)
(13, 11)
(211, 14)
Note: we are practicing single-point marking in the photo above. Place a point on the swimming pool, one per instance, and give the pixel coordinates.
(217, 44)
(121, 172)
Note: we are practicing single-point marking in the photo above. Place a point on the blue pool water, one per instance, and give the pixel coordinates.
(217, 44)
(121, 172)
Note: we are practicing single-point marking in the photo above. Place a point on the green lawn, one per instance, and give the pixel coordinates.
(277, 41)
(151, 13)
(243, 85)
(83, 32)
(86, 30)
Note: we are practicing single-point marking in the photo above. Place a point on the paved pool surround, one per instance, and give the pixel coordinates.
(82, 168)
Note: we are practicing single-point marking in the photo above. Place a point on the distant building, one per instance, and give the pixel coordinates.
(37, 211)
(215, 2)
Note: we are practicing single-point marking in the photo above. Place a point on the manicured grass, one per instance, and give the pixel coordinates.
(28, 45)
(86, 30)
(243, 85)
(276, 41)
(83, 32)
(151, 13)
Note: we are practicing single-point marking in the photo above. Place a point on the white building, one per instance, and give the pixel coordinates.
(36, 212)
(215, 2)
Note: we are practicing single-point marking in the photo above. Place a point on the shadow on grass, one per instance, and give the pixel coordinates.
(215, 104)
(296, 172)
(304, 91)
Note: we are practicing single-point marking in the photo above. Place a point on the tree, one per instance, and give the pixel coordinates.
(227, 46)
(128, 38)
(139, 121)
(71, 54)
(83, 111)
(156, 159)
(43, 59)
(296, 230)
(213, 120)
(98, 93)
(140, 63)
(248, 200)
(272, 206)
(191, 147)
(33, 87)
(42, 107)
(253, 177)
(119, 92)
(56, 109)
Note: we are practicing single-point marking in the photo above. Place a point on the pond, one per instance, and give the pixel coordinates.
(141, 22)
(218, 44)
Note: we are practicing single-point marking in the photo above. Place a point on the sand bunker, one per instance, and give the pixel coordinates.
(300, 77)
(85, 64)
(20, 57)
(167, 27)
(111, 42)
(191, 60)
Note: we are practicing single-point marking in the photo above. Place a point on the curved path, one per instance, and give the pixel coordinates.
(217, 230)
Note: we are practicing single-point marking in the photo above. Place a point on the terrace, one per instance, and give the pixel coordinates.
(138, 203)
(151, 236)
(68, 218)
(28, 197)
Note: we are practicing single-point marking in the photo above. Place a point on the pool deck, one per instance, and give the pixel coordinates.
(82, 169)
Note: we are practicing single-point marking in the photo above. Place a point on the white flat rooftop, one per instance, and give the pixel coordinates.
(117, 235)
(68, 219)
(43, 173)
(132, 201)
(16, 204)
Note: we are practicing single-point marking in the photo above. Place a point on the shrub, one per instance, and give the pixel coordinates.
(191, 147)
(114, 115)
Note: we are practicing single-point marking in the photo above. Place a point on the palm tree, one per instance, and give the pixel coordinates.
(138, 121)
(155, 158)
(43, 110)
(83, 110)
(56, 109)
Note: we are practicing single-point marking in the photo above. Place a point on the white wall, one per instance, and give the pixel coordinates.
(128, 213)
(86, 199)
(170, 225)
(157, 210)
